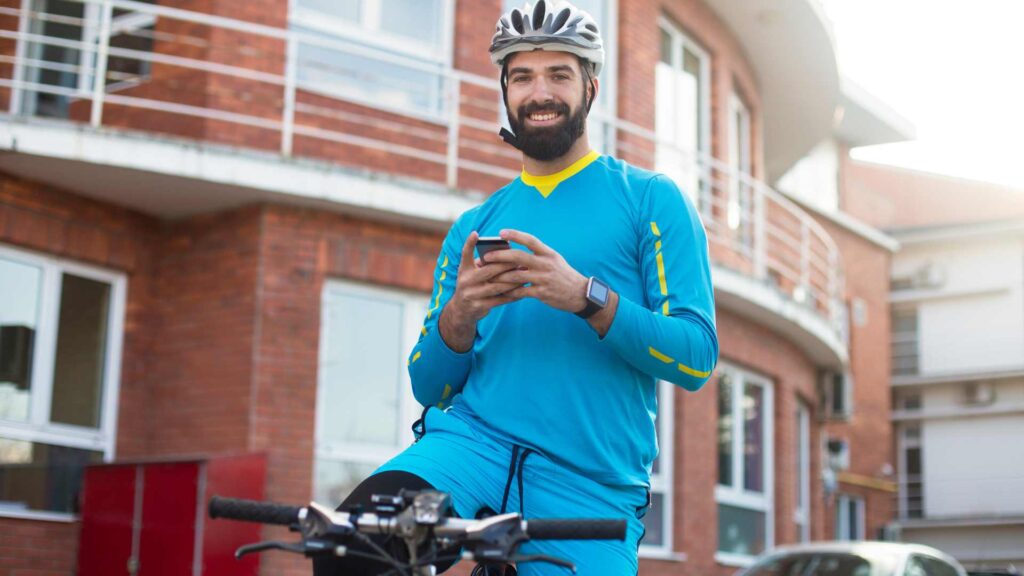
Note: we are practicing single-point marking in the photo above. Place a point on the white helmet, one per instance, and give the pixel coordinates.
(562, 28)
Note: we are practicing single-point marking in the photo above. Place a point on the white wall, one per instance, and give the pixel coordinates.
(973, 320)
(974, 466)
(815, 178)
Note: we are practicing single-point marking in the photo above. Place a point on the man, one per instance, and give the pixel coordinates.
(544, 357)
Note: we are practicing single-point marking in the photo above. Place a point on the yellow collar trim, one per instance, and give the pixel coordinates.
(547, 184)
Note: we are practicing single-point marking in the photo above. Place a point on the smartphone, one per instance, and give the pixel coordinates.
(485, 244)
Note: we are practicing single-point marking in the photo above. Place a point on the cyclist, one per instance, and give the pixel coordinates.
(538, 363)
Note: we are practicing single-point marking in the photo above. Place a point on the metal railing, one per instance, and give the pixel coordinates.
(140, 66)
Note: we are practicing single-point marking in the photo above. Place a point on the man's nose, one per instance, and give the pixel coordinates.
(541, 91)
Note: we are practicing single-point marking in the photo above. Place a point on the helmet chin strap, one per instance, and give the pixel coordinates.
(509, 136)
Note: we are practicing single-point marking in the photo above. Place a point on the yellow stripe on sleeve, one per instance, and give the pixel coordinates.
(416, 356)
(664, 308)
(660, 356)
(661, 274)
(444, 395)
(695, 373)
(423, 330)
(654, 228)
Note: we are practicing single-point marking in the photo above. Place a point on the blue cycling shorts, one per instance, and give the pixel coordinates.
(459, 456)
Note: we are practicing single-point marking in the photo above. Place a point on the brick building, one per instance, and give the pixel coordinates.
(226, 247)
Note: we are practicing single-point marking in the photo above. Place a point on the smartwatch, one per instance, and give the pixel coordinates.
(597, 298)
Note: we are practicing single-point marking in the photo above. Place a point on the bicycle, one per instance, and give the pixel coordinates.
(421, 520)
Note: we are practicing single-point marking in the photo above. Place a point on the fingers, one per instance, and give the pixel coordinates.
(515, 276)
(519, 258)
(528, 240)
(467, 251)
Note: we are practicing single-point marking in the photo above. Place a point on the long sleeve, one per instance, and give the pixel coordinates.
(438, 372)
(676, 339)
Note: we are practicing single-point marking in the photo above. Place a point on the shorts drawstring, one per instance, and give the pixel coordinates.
(515, 468)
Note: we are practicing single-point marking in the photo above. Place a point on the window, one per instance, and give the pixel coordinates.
(657, 539)
(911, 473)
(802, 511)
(745, 475)
(849, 519)
(60, 347)
(835, 392)
(600, 128)
(364, 399)
(683, 113)
(905, 354)
(69, 71)
(740, 215)
(919, 565)
(389, 54)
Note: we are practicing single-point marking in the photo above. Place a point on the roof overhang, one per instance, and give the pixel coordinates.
(789, 43)
(866, 120)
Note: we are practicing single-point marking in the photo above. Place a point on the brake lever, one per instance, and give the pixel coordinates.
(270, 545)
(544, 558)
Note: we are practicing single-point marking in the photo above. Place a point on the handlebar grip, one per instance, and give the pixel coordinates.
(253, 511)
(576, 529)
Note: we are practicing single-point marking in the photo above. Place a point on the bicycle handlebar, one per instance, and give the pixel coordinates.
(539, 529)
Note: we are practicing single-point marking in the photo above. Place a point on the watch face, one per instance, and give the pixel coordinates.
(598, 292)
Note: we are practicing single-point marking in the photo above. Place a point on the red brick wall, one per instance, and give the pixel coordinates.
(868, 431)
(33, 548)
(888, 197)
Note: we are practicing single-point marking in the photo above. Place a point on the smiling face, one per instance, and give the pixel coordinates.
(546, 102)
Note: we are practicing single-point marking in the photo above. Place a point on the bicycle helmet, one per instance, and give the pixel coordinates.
(549, 25)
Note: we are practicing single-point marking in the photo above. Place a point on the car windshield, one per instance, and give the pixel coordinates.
(813, 564)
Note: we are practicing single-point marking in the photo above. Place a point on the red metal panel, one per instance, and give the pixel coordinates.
(168, 519)
(108, 496)
(237, 477)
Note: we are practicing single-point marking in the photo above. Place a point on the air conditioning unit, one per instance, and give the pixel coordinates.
(835, 395)
(979, 393)
(930, 275)
(838, 456)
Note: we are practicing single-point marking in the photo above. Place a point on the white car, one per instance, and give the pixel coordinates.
(855, 559)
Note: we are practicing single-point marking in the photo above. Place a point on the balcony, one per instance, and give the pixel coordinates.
(175, 112)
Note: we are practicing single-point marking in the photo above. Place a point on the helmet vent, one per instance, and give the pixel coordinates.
(538, 15)
(561, 19)
(517, 21)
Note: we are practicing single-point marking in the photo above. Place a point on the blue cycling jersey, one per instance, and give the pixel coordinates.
(541, 377)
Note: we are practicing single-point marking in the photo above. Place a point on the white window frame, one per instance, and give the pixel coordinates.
(735, 494)
(905, 443)
(662, 482)
(802, 510)
(414, 310)
(703, 196)
(38, 428)
(842, 517)
(740, 164)
(366, 38)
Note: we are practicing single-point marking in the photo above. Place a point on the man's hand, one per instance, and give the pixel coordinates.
(552, 280)
(477, 292)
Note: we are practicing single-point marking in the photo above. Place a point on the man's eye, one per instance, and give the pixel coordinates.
(519, 79)
(561, 77)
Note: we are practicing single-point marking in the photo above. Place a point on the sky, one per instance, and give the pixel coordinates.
(954, 68)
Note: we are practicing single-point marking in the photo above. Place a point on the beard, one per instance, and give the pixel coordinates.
(548, 142)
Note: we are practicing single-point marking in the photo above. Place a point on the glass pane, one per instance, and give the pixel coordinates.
(654, 522)
(334, 480)
(347, 75)
(740, 531)
(819, 564)
(418, 20)
(853, 519)
(753, 438)
(666, 47)
(63, 21)
(20, 285)
(801, 458)
(725, 430)
(348, 10)
(81, 350)
(361, 371)
(41, 476)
